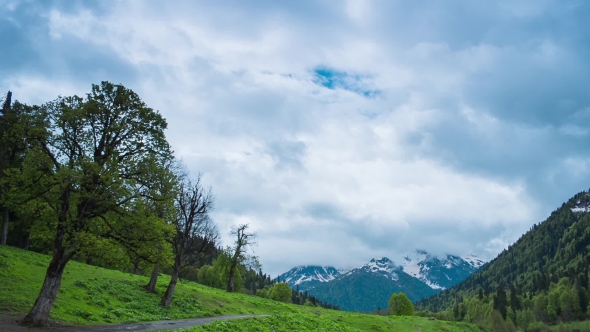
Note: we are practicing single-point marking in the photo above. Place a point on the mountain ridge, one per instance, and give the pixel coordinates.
(421, 275)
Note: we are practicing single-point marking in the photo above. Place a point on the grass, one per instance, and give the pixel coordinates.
(328, 320)
(91, 295)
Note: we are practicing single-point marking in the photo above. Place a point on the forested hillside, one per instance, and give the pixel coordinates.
(543, 276)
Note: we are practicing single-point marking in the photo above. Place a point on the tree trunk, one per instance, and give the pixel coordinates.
(167, 299)
(39, 315)
(232, 278)
(5, 219)
(151, 286)
(27, 241)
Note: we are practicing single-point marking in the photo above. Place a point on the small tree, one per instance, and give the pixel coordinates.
(400, 305)
(243, 240)
(196, 234)
(280, 292)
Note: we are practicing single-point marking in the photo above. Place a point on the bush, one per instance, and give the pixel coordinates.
(280, 292)
(538, 327)
(400, 305)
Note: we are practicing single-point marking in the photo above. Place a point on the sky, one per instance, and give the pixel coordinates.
(340, 130)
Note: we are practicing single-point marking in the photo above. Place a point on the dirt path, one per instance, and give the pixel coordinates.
(9, 323)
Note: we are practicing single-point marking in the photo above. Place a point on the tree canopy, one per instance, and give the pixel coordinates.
(400, 305)
(90, 163)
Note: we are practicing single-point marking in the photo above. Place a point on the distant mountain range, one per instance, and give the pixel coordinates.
(369, 286)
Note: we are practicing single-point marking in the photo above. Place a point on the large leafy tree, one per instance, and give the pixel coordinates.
(91, 160)
(400, 305)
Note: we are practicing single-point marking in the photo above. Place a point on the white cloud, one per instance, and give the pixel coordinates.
(324, 176)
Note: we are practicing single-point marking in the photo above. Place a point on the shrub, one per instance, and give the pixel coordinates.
(400, 305)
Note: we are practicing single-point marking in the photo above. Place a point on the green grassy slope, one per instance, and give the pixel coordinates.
(93, 295)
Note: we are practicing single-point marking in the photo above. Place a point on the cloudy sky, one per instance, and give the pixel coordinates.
(340, 130)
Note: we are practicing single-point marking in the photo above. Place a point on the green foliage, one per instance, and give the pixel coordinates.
(277, 323)
(540, 309)
(525, 319)
(497, 323)
(89, 164)
(216, 275)
(478, 311)
(400, 305)
(280, 292)
(569, 327)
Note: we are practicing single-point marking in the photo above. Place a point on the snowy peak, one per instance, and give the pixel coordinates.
(436, 271)
(380, 266)
(440, 272)
(383, 264)
(418, 265)
(308, 276)
(474, 261)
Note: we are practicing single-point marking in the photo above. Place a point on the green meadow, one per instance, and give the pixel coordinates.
(92, 295)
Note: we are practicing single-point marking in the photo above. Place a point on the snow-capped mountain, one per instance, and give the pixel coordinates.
(440, 272)
(369, 286)
(308, 276)
(382, 266)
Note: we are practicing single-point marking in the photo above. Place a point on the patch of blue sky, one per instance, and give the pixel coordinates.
(334, 79)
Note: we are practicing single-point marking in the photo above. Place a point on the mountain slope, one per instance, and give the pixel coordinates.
(556, 248)
(369, 287)
(440, 272)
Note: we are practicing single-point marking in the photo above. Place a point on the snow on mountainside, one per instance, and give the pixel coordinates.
(582, 205)
(308, 276)
(417, 266)
(382, 266)
(474, 261)
(436, 272)
(440, 272)
(369, 286)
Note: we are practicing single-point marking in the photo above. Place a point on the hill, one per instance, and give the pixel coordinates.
(550, 260)
(91, 295)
